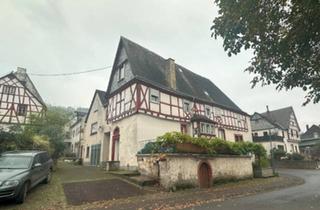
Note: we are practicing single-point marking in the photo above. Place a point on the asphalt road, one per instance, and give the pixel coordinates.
(303, 197)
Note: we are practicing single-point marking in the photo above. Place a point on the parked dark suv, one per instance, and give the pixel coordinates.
(22, 170)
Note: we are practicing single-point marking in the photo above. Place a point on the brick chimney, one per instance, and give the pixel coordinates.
(307, 127)
(171, 73)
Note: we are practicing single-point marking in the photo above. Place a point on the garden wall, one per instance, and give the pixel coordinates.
(298, 164)
(174, 170)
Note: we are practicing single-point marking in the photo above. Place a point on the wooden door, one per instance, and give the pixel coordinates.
(204, 175)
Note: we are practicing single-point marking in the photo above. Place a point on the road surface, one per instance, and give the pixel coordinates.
(302, 197)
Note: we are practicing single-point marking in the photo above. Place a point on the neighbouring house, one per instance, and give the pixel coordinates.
(19, 99)
(309, 139)
(94, 148)
(276, 129)
(75, 132)
(149, 95)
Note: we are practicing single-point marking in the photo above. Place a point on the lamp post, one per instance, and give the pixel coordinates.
(271, 147)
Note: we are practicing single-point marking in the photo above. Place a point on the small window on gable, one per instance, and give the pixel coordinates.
(94, 128)
(22, 109)
(7, 89)
(154, 96)
(121, 71)
(205, 92)
(186, 106)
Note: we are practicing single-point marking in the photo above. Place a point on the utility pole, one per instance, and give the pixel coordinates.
(271, 146)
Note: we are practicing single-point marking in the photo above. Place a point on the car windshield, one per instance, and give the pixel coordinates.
(15, 162)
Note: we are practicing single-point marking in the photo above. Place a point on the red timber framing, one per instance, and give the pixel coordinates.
(14, 94)
(134, 97)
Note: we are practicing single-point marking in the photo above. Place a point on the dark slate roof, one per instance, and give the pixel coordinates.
(25, 79)
(309, 134)
(280, 117)
(151, 68)
(102, 95)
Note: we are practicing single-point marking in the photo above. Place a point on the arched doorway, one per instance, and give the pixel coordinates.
(204, 175)
(115, 144)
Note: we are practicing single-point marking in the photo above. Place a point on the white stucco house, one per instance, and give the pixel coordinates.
(277, 129)
(149, 95)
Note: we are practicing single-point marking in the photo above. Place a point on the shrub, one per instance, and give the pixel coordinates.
(295, 156)
(166, 144)
(278, 154)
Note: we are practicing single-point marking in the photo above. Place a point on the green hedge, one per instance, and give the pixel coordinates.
(167, 142)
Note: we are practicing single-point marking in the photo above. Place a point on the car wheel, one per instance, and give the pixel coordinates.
(22, 194)
(48, 178)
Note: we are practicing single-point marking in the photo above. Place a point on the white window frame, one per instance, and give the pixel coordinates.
(94, 128)
(210, 111)
(154, 96)
(207, 128)
(121, 71)
(186, 108)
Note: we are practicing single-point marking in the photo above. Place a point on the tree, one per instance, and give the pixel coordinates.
(284, 36)
(50, 127)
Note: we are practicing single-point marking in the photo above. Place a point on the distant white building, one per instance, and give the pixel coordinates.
(277, 129)
(75, 130)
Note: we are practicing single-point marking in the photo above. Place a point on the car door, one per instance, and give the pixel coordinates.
(35, 171)
(45, 165)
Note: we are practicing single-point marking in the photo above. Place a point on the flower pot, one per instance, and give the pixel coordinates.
(190, 148)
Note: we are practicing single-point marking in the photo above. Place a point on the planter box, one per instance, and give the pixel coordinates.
(190, 148)
(262, 172)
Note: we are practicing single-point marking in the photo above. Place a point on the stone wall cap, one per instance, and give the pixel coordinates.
(193, 155)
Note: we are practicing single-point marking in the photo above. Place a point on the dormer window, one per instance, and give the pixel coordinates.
(121, 71)
(154, 96)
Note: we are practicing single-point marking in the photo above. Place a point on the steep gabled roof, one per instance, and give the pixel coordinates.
(280, 117)
(102, 97)
(151, 68)
(309, 134)
(25, 79)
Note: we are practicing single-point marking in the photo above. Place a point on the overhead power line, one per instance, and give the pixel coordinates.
(71, 73)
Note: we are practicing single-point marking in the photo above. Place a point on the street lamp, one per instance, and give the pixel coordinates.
(270, 140)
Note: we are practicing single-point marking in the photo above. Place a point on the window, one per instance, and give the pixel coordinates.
(265, 133)
(207, 128)
(281, 147)
(121, 70)
(186, 106)
(221, 134)
(22, 109)
(315, 135)
(255, 134)
(154, 96)
(183, 128)
(87, 152)
(94, 128)
(238, 137)
(291, 132)
(208, 111)
(8, 89)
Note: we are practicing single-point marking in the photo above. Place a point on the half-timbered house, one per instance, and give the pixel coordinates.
(149, 95)
(19, 99)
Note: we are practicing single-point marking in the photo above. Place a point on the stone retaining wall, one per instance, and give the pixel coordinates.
(173, 170)
(298, 164)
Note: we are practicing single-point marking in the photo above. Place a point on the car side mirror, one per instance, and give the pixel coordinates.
(37, 165)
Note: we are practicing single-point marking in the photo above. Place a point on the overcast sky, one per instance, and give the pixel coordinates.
(61, 36)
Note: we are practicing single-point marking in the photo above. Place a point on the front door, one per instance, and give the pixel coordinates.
(204, 175)
(115, 145)
(95, 154)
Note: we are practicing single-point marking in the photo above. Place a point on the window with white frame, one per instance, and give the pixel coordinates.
(207, 128)
(121, 71)
(94, 128)
(154, 96)
(186, 106)
(218, 112)
(208, 111)
(22, 109)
